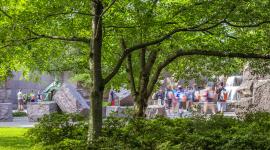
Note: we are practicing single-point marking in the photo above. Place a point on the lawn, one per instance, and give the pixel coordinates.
(13, 139)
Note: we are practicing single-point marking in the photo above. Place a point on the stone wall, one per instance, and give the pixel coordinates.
(254, 93)
(37, 110)
(6, 112)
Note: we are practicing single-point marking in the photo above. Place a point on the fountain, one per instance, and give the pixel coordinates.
(232, 86)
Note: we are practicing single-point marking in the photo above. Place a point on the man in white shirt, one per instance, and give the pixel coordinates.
(20, 100)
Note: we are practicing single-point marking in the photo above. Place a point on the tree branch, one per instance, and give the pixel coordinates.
(6, 14)
(181, 52)
(247, 25)
(167, 36)
(107, 8)
(75, 39)
(66, 13)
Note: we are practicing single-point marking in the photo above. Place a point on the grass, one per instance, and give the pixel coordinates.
(13, 139)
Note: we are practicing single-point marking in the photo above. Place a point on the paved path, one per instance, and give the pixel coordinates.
(20, 122)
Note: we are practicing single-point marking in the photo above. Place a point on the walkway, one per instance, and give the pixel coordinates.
(19, 122)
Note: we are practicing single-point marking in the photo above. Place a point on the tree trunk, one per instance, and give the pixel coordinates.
(140, 106)
(95, 117)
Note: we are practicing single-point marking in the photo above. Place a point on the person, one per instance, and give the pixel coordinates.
(181, 97)
(39, 96)
(170, 98)
(222, 96)
(190, 97)
(32, 96)
(159, 96)
(112, 98)
(20, 100)
(209, 97)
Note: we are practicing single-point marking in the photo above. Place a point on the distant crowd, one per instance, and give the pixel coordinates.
(177, 99)
(28, 97)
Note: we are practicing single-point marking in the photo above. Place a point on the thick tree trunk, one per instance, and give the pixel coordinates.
(140, 106)
(95, 117)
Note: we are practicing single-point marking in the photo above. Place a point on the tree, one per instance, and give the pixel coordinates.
(42, 30)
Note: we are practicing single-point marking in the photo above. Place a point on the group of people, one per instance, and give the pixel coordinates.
(27, 97)
(180, 98)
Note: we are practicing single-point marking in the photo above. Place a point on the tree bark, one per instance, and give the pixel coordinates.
(95, 117)
(141, 99)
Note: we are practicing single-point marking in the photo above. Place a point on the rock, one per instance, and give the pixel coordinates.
(117, 111)
(246, 89)
(70, 101)
(153, 111)
(261, 95)
(6, 112)
(37, 110)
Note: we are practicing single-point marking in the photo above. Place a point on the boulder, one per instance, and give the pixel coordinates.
(70, 101)
(37, 110)
(117, 111)
(6, 112)
(261, 95)
(153, 111)
(246, 89)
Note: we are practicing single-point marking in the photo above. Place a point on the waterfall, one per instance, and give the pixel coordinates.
(232, 85)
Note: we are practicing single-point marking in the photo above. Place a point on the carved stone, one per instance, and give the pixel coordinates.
(70, 101)
(117, 111)
(153, 111)
(37, 110)
(6, 112)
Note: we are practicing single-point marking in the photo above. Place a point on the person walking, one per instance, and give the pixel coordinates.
(222, 96)
(20, 100)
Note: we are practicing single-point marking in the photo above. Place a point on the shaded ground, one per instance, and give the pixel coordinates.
(13, 139)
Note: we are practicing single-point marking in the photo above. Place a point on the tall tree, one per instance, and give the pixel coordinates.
(34, 33)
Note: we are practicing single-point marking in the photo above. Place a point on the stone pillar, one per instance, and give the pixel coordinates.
(37, 110)
(6, 112)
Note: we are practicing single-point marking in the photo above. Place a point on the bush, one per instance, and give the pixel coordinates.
(58, 128)
(217, 132)
(19, 114)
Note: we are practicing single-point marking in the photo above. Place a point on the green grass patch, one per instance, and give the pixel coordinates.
(13, 139)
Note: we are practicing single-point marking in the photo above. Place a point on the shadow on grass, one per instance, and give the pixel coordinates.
(19, 143)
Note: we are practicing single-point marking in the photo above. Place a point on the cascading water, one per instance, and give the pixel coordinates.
(232, 85)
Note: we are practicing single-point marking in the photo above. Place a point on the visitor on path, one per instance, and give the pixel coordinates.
(209, 103)
(190, 97)
(32, 96)
(20, 100)
(222, 96)
(159, 97)
(170, 98)
(181, 97)
(39, 96)
(112, 98)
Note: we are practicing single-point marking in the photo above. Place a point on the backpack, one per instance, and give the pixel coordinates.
(223, 95)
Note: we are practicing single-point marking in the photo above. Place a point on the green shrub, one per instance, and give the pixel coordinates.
(217, 133)
(57, 128)
(19, 114)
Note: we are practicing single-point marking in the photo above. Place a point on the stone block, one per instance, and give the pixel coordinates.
(37, 110)
(153, 111)
(117, 111)
(70, 101)
(246, 89)
(6, 112)
(261, 95)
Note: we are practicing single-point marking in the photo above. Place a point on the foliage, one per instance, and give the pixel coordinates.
(217, 132)
(56, 128)
(19, 114)
(13, 139)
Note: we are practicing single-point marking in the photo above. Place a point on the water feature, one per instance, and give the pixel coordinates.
(232, 85)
